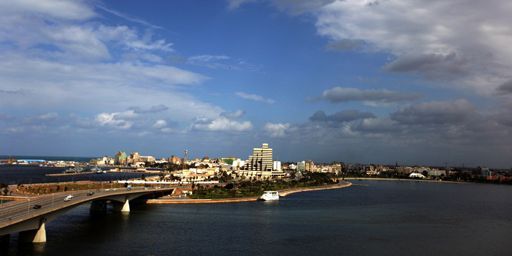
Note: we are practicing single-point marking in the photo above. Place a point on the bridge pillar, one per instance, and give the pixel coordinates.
(34, 235)
(40, 236)
(126, 206)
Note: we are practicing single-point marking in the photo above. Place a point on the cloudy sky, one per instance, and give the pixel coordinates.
(380, 81)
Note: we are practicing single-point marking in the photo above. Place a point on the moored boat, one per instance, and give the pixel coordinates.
(269, 196)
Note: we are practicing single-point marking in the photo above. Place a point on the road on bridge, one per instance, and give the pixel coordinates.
(19, 211)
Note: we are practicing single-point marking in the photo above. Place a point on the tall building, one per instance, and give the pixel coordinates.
(309, 166)
(261, 159)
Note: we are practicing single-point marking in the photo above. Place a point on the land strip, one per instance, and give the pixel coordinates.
(282, 193)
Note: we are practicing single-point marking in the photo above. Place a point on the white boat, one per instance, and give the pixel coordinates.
(270, 196)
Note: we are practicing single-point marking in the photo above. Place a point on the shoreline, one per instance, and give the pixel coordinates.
(410, 180)
(282, 193)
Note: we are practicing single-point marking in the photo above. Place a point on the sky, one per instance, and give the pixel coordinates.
(360, 81)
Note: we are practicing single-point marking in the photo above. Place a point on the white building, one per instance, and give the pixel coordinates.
(237, 164)
(277, 166)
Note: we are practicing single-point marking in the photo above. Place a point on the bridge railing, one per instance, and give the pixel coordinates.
(14, 212)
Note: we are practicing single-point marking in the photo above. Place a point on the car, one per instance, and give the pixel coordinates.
(37, 206)
(68, 197)
(129, 187)
(90, 193)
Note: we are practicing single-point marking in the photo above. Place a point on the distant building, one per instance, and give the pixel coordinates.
(436, 173)
(133, 158)
(310, 166)
(175, 160)
(277, 166)
(120, 158)
(228, 160)
(103, 161)
(238, 164)
(301, 166)
(486, 172)
(261, 159)
(147, 159)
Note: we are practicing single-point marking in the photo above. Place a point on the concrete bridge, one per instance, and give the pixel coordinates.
(30, 217)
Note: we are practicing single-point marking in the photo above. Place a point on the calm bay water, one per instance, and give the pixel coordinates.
(31, 174)
(370, 218)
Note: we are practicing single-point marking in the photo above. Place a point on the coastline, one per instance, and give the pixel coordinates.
(282, 193)
(410, 180)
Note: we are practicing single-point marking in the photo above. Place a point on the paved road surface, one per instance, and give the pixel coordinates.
(18, 211)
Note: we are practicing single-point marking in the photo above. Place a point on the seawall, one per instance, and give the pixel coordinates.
(282, 193)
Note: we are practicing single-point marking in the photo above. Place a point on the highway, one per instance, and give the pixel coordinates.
(19, 211)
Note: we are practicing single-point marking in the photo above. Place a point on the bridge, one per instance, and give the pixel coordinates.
(30, 217)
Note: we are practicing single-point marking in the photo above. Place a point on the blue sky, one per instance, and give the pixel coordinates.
(356, 81)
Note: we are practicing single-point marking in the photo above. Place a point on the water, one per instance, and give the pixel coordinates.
(371, 218)
(32, 174)
(51, 158)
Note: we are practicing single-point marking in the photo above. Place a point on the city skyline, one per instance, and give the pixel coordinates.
(352, 81)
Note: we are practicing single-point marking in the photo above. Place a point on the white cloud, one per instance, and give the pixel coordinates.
(78, 64)
(73, 85)
(60, 9)
(277, 129)
(469, 47)
(222, 124)
(63, 39)
(119, 120)
(160, 124)
(254, 97)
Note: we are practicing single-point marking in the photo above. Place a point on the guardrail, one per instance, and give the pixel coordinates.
(15, 212)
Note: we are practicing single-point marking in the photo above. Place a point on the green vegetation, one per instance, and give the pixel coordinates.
(256, 188)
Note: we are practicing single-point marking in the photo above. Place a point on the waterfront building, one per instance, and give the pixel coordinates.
(261, 159)
(161, 161)
(277, 166)
(120, 158)
(485, 172)
(147, 159)
(103, 161)
(436, 173)
(133, 158)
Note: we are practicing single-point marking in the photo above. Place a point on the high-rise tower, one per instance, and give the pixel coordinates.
(261, 159)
